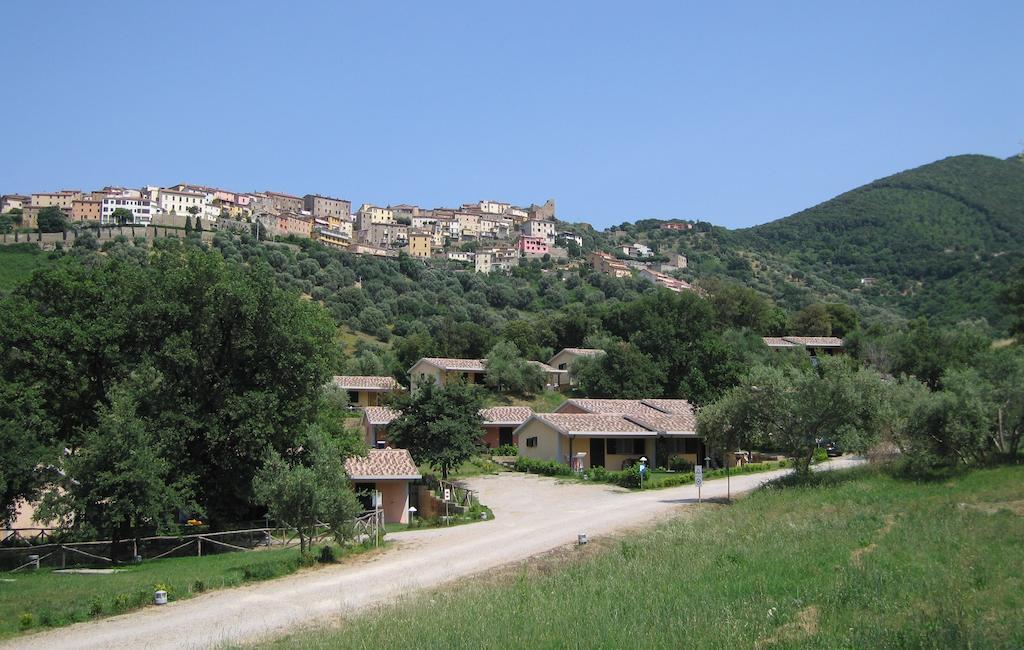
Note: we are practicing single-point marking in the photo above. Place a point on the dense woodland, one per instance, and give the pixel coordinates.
(153, 384)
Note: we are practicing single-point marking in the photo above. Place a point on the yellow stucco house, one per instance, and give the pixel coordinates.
(444, 370)
(562, 361)
(366, 391)
(612, 433)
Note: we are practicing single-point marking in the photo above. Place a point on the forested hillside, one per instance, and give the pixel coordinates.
(939, 239)
(935, 241)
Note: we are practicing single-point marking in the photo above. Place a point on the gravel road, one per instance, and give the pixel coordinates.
(533, 515)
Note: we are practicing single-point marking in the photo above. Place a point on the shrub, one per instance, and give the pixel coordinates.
(544, 467)
(327, 555)
(198, 587)
(506, 450)
(26, 620)
(679, 464)
(629, 478)
(820, 455)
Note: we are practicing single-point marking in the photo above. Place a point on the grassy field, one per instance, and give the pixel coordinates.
(861, 560)
(545, 402)
(17, 262)
(44, 599)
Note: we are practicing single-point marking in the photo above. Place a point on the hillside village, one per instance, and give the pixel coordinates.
(486, 236)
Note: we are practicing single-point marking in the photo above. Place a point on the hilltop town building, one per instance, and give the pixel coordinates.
(333, 211)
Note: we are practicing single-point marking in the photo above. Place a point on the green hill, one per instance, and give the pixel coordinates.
(938, 239)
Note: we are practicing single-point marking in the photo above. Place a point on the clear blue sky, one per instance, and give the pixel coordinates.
(733, 112)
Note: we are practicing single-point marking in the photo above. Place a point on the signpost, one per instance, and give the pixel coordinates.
(447, 498)
(698, 480)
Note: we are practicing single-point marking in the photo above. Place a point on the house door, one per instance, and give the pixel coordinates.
(597, 452)
(505, 435)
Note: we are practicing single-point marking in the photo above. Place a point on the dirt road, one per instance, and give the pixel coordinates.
(533, 515)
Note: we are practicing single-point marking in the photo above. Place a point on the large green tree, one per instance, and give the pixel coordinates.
(118, 483)
(51, 219)
(439, 425)
(308, 488)
(792, 407)
(239, 363)
(507, 370)
(623, 372)
(678, 332)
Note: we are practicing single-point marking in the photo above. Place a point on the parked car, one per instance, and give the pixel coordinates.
(831, 447)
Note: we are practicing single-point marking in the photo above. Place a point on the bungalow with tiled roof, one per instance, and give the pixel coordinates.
(444, 370)
(500, 423)
(366, 391)
(553, 377)
(375, 424)
(564, 358)
(389, 472)
(813, 344)
(614, 432)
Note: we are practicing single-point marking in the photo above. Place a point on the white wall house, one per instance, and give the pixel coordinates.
(142, 209)
(540, 228)
(179, 202)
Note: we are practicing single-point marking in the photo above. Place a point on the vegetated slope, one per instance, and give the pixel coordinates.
(939, 239)
(861, 560)
(17, 262)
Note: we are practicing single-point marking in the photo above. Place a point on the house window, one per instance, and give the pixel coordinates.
(531, 442)
(611, 446)
(639, 447)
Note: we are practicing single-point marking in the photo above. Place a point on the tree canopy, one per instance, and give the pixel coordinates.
(439, 425)
(234, 365)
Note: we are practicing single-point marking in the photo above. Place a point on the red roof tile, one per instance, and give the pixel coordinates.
(382, 464)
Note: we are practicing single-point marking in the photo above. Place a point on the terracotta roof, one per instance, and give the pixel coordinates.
(506, 415)
(584, 351)
(816, 341)
(676, 406)
(377, 415)
(591, 423)
(612, 406)
(669, 423)
(545, 367)
(777, 342)
(360, 382)
(382, 464)
(476, 365)
(806, 341)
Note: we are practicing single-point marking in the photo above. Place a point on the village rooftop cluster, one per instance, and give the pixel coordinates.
(499, 235)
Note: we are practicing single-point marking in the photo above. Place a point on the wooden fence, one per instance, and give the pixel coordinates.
(40, 548)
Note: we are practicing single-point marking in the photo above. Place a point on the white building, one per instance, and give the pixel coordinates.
(179, 201)
(142, 209)
(494, 207)
(571, 236)
(482, 262)
(540, 228)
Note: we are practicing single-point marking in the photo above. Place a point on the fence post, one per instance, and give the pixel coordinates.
(199, 546)
(63, 557)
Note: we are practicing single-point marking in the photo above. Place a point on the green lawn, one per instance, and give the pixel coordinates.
(18, 261)
(46, 599)
(861, 560)
(545, 402)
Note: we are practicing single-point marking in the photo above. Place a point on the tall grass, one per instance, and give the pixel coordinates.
(48, 599)
(858, 560)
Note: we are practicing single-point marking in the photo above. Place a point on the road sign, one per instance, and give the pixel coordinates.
(447, 494)
(698, 475)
